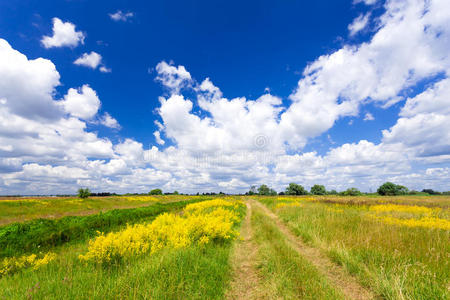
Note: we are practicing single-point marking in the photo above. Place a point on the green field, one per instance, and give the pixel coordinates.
(188, 247)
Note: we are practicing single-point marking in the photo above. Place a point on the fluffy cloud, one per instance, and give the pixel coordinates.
(92, 60)
(27, 86)
(64, 34)
(81, 103)
(173, 78)
(376, 71)
(359, 24)
(121, 16)
(368, 117)
(109, 121)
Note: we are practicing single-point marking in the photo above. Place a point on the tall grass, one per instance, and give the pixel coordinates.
(190, 273)
(397, 262)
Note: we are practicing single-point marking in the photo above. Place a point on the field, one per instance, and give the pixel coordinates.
(225, 247)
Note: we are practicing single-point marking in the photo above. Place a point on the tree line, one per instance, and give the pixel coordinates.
(386, 189)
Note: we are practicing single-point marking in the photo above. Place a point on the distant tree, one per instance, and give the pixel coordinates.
(176, 193)
(392, 189)
(156, 192)
(351, 192)
(281, 193)
(430, 192)
(263, 190)
(318, 189)
(84, 193)
(295, 189)
(446, 193)
(252, 191)
(332, 192)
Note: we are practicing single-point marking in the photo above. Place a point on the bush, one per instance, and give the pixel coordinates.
(351, 192)
(430, 192)
(156, 192)
(318, 189)
(295, 189)
(391, 189)
(266, 191)
(84, 193)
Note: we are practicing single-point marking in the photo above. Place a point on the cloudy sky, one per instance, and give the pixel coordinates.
(205, 96)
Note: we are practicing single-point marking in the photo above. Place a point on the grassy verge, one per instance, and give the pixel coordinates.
(190, 273)
(283, 272)
(397, 262)
(43, 234)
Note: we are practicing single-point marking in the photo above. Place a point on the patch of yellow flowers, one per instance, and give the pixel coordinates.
(141, 198)
(428, 222)
(413, 209)
(200, 224)
(285, 205)
(409, 215)
(295, 199)
(13, 264)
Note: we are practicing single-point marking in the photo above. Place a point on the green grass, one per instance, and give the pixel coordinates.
(17, 209)
(191, 273)
(44, 234)
(284, 273)
(195, 272)
(396, 262)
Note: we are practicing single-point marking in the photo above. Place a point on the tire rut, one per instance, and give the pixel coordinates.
(245, 283)
(341, 280)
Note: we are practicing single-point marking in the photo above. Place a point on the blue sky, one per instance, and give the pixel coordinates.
(342, 93)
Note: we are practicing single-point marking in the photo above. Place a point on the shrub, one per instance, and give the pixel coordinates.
(430, 192)
(318, 189)
(84, 193)
(266, 191)
(156, 192)
(351, 192)
(391, 189)
(296, 189)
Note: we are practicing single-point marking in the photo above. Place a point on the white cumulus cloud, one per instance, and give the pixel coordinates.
(121, 16)
(64, 34)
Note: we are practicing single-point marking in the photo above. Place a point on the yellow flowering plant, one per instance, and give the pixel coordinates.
(11, 265)
(201, 223)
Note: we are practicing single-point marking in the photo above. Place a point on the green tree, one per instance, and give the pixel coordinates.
(391, 189)
(84, 193)
(295, 189)
(253, 190)
(351, 192)
(156, 192)
(263, 190)
(176, 193)
(318, 189)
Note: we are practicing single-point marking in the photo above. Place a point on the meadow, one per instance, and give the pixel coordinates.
(225, 247)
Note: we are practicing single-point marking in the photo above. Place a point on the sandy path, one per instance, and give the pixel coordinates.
(245, 283)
